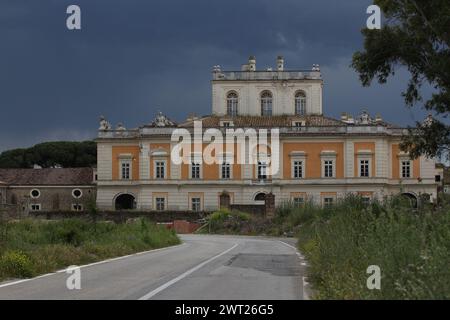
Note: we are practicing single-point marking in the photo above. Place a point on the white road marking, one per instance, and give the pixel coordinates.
(287, 244)
(184, 275)
(89, 265)
(300, 256)
(304, 284)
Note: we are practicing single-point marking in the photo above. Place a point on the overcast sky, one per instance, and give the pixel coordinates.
(135, 57)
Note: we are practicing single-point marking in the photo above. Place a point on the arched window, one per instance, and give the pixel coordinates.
(300, 103)
(232, 104)
(266, 103)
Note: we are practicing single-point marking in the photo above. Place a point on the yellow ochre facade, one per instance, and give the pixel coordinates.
(320, 158)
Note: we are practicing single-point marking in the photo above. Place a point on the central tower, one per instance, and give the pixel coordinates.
(266, 92)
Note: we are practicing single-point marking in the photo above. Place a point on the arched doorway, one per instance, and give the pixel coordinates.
(260, 196)
(125, 202)
(411, 198)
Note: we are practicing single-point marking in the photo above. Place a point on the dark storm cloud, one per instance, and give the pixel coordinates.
(133, 58)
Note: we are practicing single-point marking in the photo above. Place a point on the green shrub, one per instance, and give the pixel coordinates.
(15, 264)
(226, 221)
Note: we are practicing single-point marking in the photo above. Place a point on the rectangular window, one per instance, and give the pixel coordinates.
(35, 207)
(328, 202)
(195, 170)
(125, 170)
(300, 106)
(365, 201)
(160, 167)
(364, 168)
(406, 169)
(298, 201)
(262, 170)
(328, 168)
(77, 207)
(196, 204)
(298, 169)
(226, 170)
(266, 109)
(160, 204)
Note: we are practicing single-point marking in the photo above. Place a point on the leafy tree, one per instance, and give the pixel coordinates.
(49, 154)
(13, 159)
(416, 34)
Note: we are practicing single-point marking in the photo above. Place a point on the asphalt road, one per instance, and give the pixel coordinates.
(203, 267)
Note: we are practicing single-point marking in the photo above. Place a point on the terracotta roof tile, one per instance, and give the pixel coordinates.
(259, 121)
(49, 176)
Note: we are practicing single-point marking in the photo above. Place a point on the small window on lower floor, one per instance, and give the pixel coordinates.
(328, 202)
(196, 204)
(77, 207)
(298, 201)
(35, 207)
(160, 204)
(365, 201)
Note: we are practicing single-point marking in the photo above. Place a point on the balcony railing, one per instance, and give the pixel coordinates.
(266, 75)
(112, 134)
(147, 131)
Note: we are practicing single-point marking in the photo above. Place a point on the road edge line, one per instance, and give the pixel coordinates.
(303, 264)
(8, 284)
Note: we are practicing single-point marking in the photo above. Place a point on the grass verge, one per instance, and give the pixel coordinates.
(410, 246)
(32, 247)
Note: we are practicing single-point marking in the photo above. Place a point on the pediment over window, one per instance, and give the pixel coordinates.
(125, 156)
(159, 152)
(365, 152)
(297, 154)
(326, 153)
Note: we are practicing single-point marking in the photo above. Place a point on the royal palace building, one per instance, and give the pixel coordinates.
(306, 156)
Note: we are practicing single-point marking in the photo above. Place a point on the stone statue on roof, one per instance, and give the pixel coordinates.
(120, 127)
(364, 118)
(104, 124)
(161, 120)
